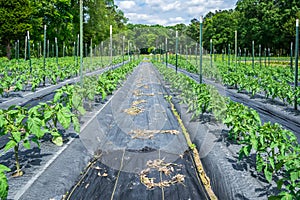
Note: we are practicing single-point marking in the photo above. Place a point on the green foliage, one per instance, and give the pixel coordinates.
(14, 21)
(102, 14)
(61, 18)
(277, 150)
(242, 120)
(262, 21)
(3, 182)
(24, 125)
(220, 28)
(274, 82)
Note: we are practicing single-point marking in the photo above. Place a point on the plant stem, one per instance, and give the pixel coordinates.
(16, 149)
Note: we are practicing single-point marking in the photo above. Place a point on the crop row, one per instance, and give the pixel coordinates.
(25, 125)
(276, 149)
(19, 76)
(274, 82)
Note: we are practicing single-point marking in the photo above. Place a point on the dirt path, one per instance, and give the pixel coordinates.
(142, 153)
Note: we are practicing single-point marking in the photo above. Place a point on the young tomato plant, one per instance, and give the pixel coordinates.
(12, 123)
(241, 120)
(273, 141)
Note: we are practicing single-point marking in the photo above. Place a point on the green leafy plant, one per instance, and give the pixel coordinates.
(3, 182)
(241, 120)
(277, 150)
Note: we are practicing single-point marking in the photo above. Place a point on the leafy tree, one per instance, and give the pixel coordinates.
(15, 20)
(193, 30)
(219, 27)
(269, 23)
(100, 14)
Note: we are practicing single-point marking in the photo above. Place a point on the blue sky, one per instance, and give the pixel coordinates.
(169, 12)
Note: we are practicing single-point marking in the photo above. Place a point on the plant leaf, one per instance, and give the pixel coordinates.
(76, 124)
(268, 174)
(64, 117)
(10, 145)
(26, 144)
(58, 140)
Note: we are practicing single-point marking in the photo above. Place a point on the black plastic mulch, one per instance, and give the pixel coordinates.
(116, 174)
(104, 182)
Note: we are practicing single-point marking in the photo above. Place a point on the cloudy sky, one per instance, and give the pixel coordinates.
(169, 12)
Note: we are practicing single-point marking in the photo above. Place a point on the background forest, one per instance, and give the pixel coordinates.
(270, 23)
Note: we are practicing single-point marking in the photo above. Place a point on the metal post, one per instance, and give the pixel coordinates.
(18, 54)
(265, 57)
(166, 52)
(25, 54)
(56, 49)
(78, 49)
(240, 56)
(296, 61)
(211, 49)
(176, 51)
(235, 48)
(91, 52)
(16, 51)
(253, 55)
(81, 42)
(291, 62)
(44, 64)
(200, 49)
(123, 47)
(28, 40)
(111, 48)
(269, 56)
(48, 47)
(101, 53)
(74, 51)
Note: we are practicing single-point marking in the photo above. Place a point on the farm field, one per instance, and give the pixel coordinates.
(45, 151)
(130, 100)
(136, 135)
(272, 97)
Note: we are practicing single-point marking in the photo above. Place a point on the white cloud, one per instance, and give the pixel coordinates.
(176, 19)
(127, 5)
(169, 12)
(175, 6)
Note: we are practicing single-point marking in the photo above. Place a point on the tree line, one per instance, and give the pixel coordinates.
(270, 23)
(61, 18)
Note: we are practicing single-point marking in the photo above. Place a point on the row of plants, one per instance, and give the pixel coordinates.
(18, 76)
(276, 149)
(25, 125)
(274, 82)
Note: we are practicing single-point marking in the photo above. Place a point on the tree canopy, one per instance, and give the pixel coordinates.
(270, 23)
(61, 18)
